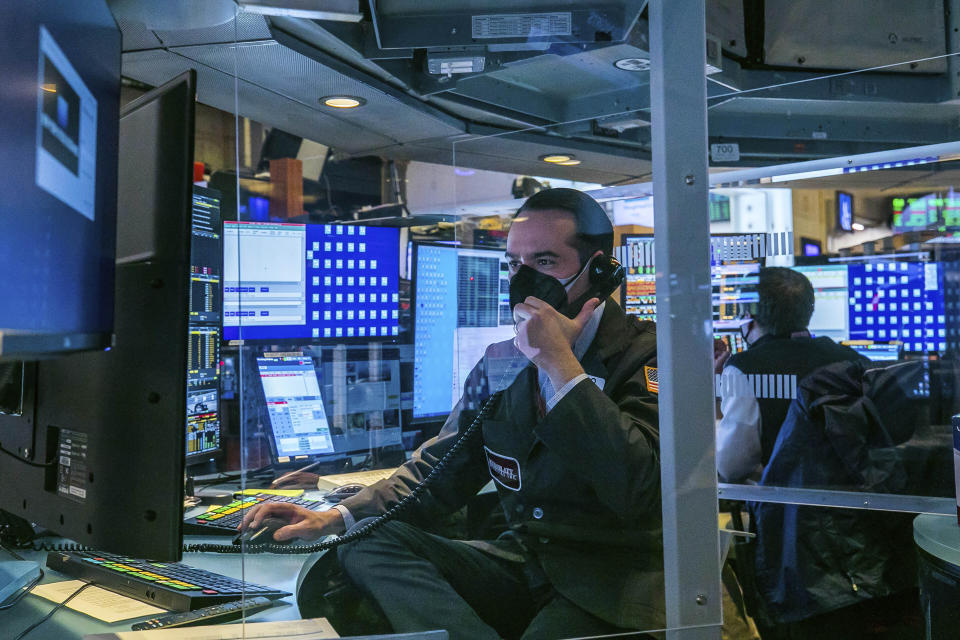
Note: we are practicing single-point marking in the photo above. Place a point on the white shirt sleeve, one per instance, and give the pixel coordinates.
(348, 520)
(739, 456)
(564, 390)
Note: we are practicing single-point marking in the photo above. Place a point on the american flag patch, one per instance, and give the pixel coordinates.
(653, 380)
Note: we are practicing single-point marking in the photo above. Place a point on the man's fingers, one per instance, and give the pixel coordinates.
(253, 517)
(588, 308)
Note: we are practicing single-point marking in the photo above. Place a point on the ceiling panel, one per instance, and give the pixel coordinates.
(217, 90)
(136, 35)
(247, 26)
(286, 72)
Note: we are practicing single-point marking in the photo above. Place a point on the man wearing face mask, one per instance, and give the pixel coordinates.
(571, 445)
(778, 343)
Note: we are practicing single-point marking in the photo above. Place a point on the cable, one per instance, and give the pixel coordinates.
(52, 611)
(375, 524)
(42, 465)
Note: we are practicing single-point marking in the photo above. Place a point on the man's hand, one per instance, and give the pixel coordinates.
(720, 355)
(296, 480)
(546, 337)
(305, 524)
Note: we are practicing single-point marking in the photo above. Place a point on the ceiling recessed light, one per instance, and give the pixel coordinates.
(569, 163)
(633, 64)
(557, 158)
(342, 102)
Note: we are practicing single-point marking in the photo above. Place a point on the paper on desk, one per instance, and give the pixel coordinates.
(366, 478)
(313, 629)
(96, 602)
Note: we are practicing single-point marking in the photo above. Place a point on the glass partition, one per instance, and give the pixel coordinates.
(402, 321)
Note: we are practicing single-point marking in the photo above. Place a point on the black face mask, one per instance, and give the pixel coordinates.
(527, 281)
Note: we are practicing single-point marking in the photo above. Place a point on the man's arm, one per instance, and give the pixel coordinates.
(460, 479)
(738, 433)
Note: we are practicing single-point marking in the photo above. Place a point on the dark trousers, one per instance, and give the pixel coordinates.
(422, 581)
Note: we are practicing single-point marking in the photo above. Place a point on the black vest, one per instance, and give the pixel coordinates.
(785, 356)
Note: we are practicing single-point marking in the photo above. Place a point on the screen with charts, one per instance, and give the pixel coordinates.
(288, 282)
(206, 254)
(336, 402)
(461, 305)
(732, 284)
(830, 317)
(298, 420)
(203, 347)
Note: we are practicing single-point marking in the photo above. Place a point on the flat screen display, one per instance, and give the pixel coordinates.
(302, 282)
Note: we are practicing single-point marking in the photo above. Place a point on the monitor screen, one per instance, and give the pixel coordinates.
(347, 404)
(301, 282)
(206, 256)
(844, 211)
(61, 67)
(898, 301)
(111, 424)
(719, 207)
(734, 287)
(203, 355)
(811, 248)
(298, 420)
(876, 351)
(916, 213)
(461, 305)
(830, 306)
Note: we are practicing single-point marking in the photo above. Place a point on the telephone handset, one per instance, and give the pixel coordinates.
(606, 275)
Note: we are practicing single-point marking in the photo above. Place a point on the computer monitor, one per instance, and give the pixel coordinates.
(844, 211)
(330, 403)
(734, 288)
(890, 300)
(831, 300)
(107, 428)
(734, 283)
(60, 64)
(461, 304)
(203, 351)
(303, 282)
(876, 351)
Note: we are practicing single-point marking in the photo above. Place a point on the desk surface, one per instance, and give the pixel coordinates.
(275, 570)
(939, 536)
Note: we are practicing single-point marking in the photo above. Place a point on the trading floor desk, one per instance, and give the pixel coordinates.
(275, 570)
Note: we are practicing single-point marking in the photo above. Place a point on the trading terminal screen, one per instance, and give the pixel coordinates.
(461, 305)
(287, 282)
(880, 301)
(203, 347)
(349, 404)
(830, 317)
(206, 254)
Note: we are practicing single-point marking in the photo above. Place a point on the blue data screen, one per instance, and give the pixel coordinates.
(302, 282)
(898, 301)
(436, 323)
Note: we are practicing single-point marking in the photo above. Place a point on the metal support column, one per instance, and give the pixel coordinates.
(684, 332)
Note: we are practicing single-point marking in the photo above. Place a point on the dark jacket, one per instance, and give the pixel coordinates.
(796, 356)
(581, 485)
(850, 429)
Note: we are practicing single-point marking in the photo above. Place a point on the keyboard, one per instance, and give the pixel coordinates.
(224, 520)
(171, 585)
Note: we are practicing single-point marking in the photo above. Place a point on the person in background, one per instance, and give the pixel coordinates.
(778, 343)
